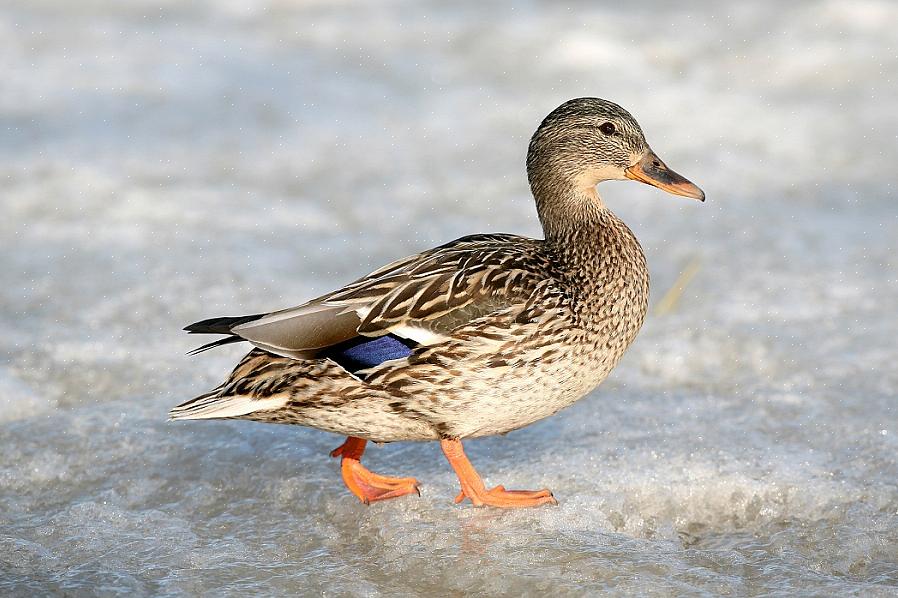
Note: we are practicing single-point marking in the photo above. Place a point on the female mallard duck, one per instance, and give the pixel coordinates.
(480, 336)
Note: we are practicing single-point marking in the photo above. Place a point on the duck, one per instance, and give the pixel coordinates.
(477, 337)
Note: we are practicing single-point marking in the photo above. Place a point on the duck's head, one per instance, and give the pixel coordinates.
(589, 140)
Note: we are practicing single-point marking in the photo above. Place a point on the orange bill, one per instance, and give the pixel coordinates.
(652, 171)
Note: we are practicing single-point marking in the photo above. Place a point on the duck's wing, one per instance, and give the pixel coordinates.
(420, 298)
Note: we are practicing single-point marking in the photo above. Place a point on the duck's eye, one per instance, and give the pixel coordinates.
(607, 128)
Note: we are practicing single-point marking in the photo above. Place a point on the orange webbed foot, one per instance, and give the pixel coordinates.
(472, 486)
(366, 485)
(370, 487)
(507, 499)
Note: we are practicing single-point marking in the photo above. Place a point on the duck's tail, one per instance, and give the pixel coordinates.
(215, 405)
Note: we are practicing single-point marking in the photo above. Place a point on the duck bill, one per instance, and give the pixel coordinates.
(652, 171)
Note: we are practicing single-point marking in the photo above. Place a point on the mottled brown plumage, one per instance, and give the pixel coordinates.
(505, 330)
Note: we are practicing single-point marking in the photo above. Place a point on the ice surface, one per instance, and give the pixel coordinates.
(164, 162)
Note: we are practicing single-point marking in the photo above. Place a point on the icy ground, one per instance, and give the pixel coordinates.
(167, 161)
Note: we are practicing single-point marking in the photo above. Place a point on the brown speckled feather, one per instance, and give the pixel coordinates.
(446, 287)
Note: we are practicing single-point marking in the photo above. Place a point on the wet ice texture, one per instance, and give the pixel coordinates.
(167, 161)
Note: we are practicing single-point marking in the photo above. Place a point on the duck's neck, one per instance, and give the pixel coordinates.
(566, 212)
(566, 199)
(592, 245)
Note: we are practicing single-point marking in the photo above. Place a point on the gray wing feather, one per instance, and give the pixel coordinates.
(301, 331)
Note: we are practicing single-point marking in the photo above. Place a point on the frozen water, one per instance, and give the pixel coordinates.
(167, 161)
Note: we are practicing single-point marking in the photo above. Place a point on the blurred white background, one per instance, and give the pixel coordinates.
(163, 162)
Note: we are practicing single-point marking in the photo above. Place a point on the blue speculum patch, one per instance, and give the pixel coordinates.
(364, 352)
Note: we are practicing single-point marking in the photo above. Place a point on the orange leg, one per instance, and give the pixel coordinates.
(472, 486)
(366, 485)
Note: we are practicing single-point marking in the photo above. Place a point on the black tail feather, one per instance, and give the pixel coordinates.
(220, 342)
(220, 325)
